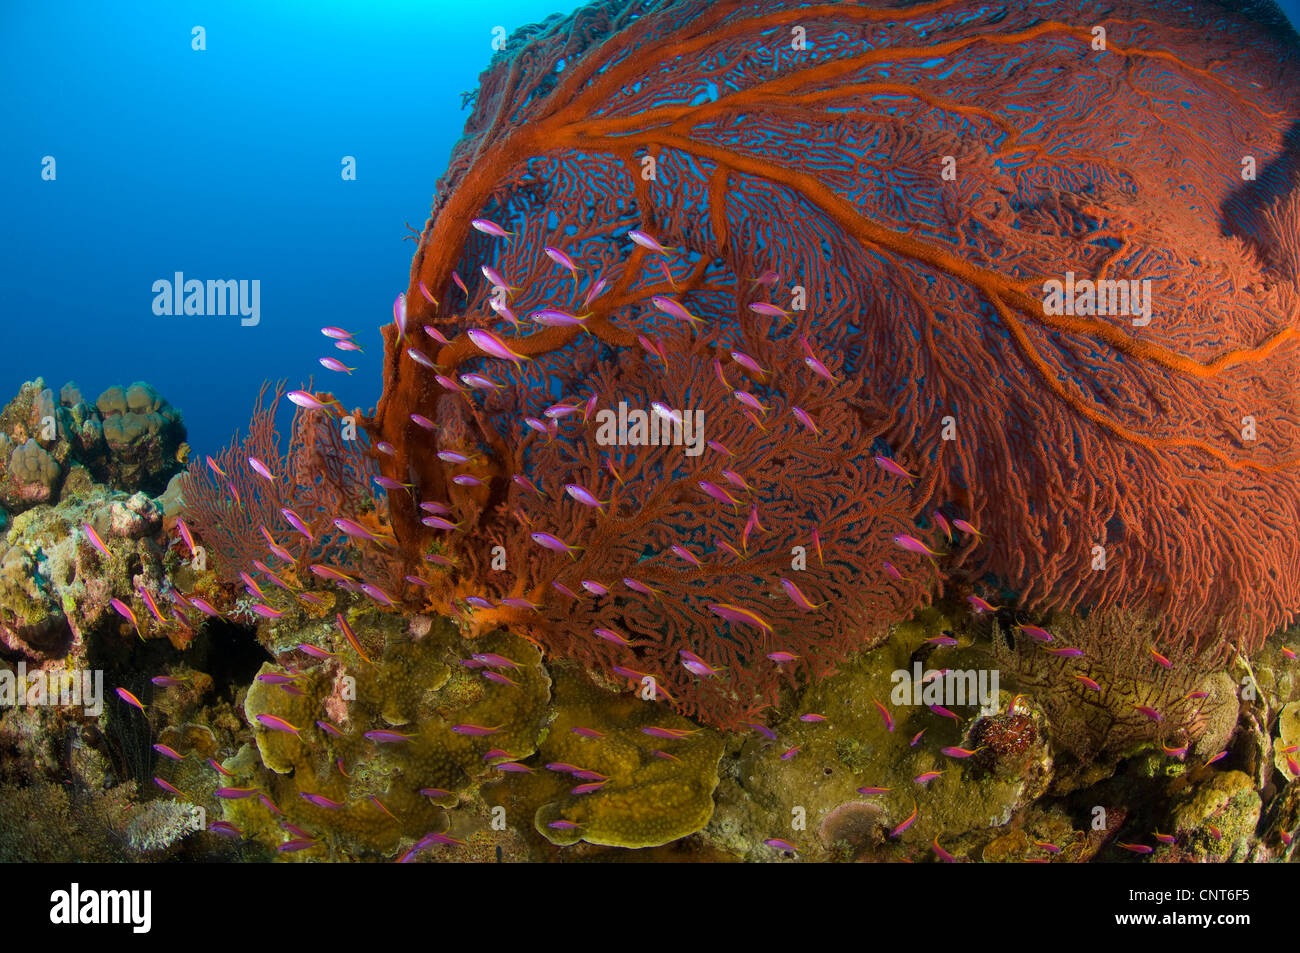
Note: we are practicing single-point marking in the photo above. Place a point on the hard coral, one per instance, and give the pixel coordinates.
(802, 181)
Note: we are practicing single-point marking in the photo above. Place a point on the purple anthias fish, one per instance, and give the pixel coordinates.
(494, 346)
(555, 544)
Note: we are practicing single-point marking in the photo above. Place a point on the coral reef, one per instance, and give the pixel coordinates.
(129, 439)
(771, 238)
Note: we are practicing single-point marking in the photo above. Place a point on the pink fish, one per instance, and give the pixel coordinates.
(648, 242)
(889, 466)
(1162, 660)
(802, 416)
(801, 601)
(777, 843)
(555, 318)
(172, 790)
(750, 401)
(812, 717)
(768, 310)
(874, 790)
(956, 752)
(276, 723)
(790, 753)
(387, 737)
(337, 334)
(911, 819)
(124, 610)
(266, 612)
(168, 752)
(926, 777)
(892, 571)
(488, 227)
(494, 346)
(946, 713)
(1091, 683)
(884, 713)
(980, 604)
(475, 730)
(424, 360)
(913, 545)
(555, 544)
(676, 309)
(294, 520)
(737, 615)
(235, 794)
(1036, 633)
(1149, 712)
(781, 657)
(1065, 652)
(966, 527)
(424, 291)
(320, 800)
(942, 522)
(697, 666)
(584, 496)
(306, 400)
(399, 315)
(334, 364)
(587, 732)
(942, 854)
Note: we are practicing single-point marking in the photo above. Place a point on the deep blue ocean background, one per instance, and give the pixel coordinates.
(223, 164)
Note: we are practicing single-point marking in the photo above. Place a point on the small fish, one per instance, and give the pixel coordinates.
(349, 346)
(916, 738)
(476, 731)
(276, 723)
(587, 788)
(812, 717)
(945, 640)
(955, 752)
(697, 666)
(166, 681)
(1218, 757)
(911, 819)
(685, 554)
(167, 787)
(676, 309)
(926, 777)
(423, 422)
(266, 612)
(235, 794)
(946, 713)
(1066, 652)
(1289, 653)
(790, 753)
(555, 318)
(802, 416)
(913, 545)
(1149, 712)
(609, 635)
(1162, 660)
(387, 737)
(563, 825)
(750, 401)
(1164, 838)
(334, 364)
(320, 800)
(890, 466)
(337, 334)
(1091, 683)
(500, 679)
(297, 844)
(718, 493)
(479, 382)
(294, 520)
(424, 360)
(777, 843)
(762, 729)
(942, 854)
(555, 544)
(351, 637)
(308, 401)
(460, 284)
(587, 732)
(981, 605)
(218, 768)
(1175, 752)
(596, 289)
(329, 728)
(399, 315)
(738, 615)
(648, 242)
(1047, 846)
(355, 530)
(97, 542)
(424, 290)
(212, 465)
(168, 752)
(801, 601)
(967, 528)
(781, 657)
(584, 496)
(1135, 848)
(942, 522)
(884, 713)
(494, 346)
(124, 610)
(874, 790)
(1035, 632)
(768, 310)
(488, 227)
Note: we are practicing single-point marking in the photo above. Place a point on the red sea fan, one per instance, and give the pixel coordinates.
(320, 477)
(917, 186)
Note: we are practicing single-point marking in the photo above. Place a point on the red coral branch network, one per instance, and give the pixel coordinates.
(854, 212)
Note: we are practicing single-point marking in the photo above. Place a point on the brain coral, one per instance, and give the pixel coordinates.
(858, 211)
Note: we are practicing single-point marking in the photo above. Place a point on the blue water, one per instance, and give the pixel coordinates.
(223, 164)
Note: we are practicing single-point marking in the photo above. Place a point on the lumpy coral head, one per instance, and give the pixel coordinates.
(1034, 269)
